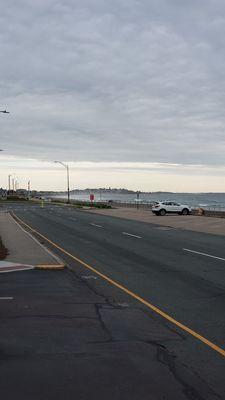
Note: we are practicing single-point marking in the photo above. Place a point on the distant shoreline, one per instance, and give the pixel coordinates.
(126, 191)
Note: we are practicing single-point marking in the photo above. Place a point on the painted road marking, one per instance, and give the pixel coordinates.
(98, 226)
(12, 267)
(204, 254)
(6, 298)
(157, 310)
(5, 271)
(130, 234)
(88, 277)
(72, 219)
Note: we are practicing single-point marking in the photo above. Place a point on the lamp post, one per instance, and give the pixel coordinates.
(9, 177)
(68, 179)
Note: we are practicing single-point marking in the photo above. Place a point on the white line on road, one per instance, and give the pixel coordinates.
(130, 234)
(72, 219)
(204, 254)
(98, 226)
(6, 298)
(89, 277)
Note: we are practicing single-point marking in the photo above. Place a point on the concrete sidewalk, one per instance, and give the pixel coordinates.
(203, 224)
(22, 247)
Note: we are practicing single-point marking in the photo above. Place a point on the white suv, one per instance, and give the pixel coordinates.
(161, 208)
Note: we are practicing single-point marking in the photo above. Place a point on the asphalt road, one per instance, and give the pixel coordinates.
(180, 272)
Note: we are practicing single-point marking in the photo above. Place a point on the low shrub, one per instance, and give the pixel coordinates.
(3, 250)
(16, 198)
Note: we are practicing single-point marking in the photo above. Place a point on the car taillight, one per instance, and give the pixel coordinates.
(156, 205)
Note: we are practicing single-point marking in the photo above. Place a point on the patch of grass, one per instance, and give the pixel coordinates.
(81, 204)
(92, 204)
(15, 198)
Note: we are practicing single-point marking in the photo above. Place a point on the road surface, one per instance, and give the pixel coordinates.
(181, 273)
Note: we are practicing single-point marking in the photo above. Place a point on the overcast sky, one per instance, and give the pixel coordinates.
(118, 87)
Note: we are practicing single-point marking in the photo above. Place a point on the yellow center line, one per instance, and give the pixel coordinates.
(130, 293)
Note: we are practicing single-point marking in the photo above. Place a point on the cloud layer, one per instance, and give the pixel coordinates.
(120, 81)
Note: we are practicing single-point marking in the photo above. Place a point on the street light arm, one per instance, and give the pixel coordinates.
(60, 162)
(68, 178)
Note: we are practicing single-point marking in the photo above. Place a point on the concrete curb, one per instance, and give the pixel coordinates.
(52, 267)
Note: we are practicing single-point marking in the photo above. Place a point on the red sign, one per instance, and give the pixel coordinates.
(92, 197)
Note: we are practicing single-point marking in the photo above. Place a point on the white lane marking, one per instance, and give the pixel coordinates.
(72, 219)
(6, 298)
(8, 270)
(130, 234)
(204, 254)
(98, 226)
(89, 277)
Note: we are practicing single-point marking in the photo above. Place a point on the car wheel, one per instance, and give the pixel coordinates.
(162, 212)
(185, 211)
(156, 213)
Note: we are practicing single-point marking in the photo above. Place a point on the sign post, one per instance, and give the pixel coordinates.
(92, 197)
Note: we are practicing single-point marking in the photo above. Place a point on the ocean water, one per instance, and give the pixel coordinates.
(213, 201)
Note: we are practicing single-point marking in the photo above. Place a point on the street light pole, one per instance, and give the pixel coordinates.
(9, 183)
(68, 179)
(13, 185)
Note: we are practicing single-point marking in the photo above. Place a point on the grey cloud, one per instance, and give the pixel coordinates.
(125, 80)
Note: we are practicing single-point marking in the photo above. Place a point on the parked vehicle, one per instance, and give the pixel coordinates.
(164, 207)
